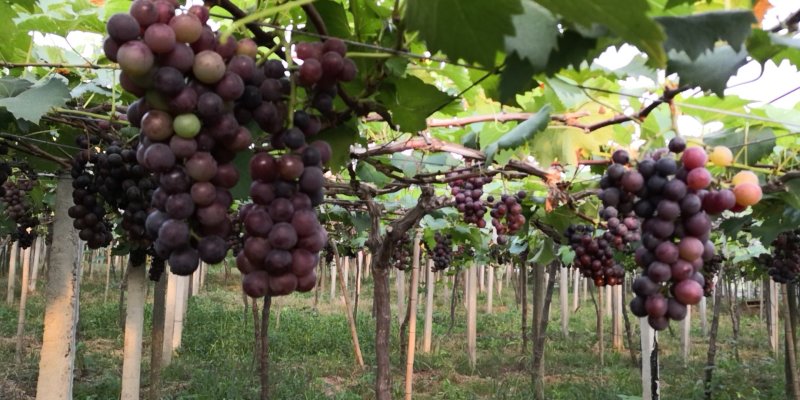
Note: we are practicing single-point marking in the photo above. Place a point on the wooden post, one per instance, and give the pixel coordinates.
(412, 317)
(109, 257)
(134, 329)
(608, 301)
(686, 334)
(38, 248)
(563, 298)
(181, 303)
(169, 316)
(400, 289)
(648, 337)
(23, 298)
(703, 319)
(429, 288)
(600, 316)
(616, 317)
(472, 305)
(489, 289)
(481, 285)
(333, 277)
(346, 273)
(773, 320)
(62, 294)
(157, 335)
(349, 311)
(12, 271)
(576, 286)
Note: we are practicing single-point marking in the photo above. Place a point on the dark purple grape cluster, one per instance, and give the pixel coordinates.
(673, 200)
(618, 203)
(88, 211)
(283, 236)
(111, 180)
(19, 208)
(187, 78)
(783, 264)
(401, 258)
(594, 256)
(157, 268)
(467, 193)
(324, 65)
(506, 214)
(442, 251)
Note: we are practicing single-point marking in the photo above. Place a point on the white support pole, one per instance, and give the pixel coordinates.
(563, 298)
(428, 329)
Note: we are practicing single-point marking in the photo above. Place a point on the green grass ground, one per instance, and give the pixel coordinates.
(312, 354)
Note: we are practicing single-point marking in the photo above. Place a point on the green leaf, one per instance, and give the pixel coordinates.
(695, 34)
(242, 162)
(710, 71)
(563, 144)
(411, 101)
(10, 87)
(520, 134)
(340, 137)
(472, 30)
(764, 46)
(516, 78)
(748, 145)
(368, 173)
(626, 18)
(546, 253)
(533, 42)
(572, 50)
(35, 102)
(407, 163)
(334, 16)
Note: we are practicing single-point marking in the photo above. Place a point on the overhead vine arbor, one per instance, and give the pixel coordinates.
(258, 132)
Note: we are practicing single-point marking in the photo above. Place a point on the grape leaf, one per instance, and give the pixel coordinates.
(242, 163)
(407, 163)
(572, 50)
(411, 101)
(533, 42)
(694, 34)
(753, 144)
(35, 102)
(626, 18)
(516, 78)
(340, 137)
(368, 173)
(710, 71)
(472, 30)
(764, 46)
(520, 134)
(335, 18)
(10, 87)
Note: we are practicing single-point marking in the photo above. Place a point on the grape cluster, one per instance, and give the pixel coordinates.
(187, 78)
(618, 204)
(401, 258)
(283, 236)
(675, 202)
(783, 264)
(19, 208)
(594, 256)
(111, 180)
(88, 211)
(467, 193)
(324, 64)
(506, 215)
(442, 251)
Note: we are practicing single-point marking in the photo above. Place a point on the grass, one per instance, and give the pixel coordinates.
(312, 358)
